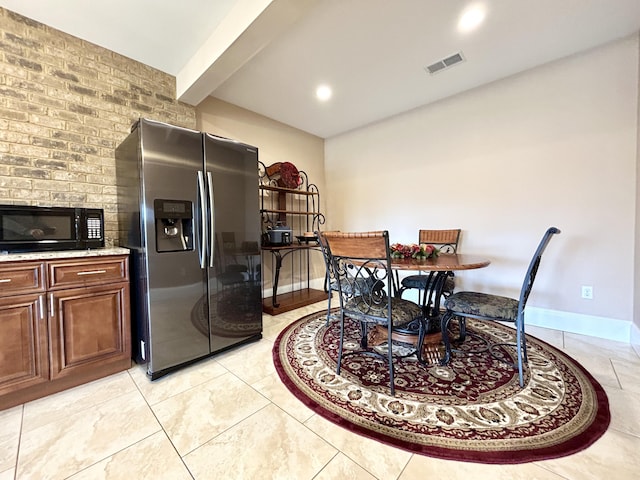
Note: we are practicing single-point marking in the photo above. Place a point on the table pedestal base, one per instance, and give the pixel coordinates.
(432, 349)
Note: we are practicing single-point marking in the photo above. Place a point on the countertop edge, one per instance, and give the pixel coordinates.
(59, 254)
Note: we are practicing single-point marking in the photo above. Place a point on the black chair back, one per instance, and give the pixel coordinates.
(529, 278)
(361, 266)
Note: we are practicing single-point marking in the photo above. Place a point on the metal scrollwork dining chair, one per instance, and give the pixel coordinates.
(361, 265)
(447, 242)
(484, 306)
(331, 284)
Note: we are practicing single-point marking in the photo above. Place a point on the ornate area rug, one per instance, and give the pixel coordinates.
(471, 410)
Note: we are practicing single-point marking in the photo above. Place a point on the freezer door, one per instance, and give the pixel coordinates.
(178, 329)
(234, 278)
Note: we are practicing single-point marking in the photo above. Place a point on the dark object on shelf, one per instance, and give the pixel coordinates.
(285, 174)
(307, 239)
(280, 235)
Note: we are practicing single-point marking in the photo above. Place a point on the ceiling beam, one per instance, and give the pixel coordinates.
(248, 28)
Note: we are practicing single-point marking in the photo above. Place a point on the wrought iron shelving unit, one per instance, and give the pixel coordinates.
(299, 209)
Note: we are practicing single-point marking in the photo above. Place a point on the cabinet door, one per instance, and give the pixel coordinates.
(88, 327)
(23, 343)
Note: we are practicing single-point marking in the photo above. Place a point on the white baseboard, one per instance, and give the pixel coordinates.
(602, 327)
(635, 337)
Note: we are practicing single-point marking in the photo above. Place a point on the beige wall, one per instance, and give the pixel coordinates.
(65, 104)
(276, 142)
(555, 145)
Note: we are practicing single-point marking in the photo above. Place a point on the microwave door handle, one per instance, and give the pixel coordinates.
(203, 218)
(212, 238)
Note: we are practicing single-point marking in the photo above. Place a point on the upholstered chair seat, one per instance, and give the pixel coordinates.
(484, 305)
(402, 311)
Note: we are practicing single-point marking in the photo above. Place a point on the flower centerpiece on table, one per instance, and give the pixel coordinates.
(398, 250)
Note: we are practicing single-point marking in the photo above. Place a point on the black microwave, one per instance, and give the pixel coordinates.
(28, 228)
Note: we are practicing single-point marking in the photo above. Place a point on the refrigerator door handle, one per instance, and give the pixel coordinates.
(212, 239)
(203, 219)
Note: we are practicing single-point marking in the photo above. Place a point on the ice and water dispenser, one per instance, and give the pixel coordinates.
(174, 225)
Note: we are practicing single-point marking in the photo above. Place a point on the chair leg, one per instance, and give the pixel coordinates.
(519, 347)
(341, 344)
(364, 331)
(444, 328)
(329, 308)
(390, 357)
(462, 323)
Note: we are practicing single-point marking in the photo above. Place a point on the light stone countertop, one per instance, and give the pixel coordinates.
(53, 255)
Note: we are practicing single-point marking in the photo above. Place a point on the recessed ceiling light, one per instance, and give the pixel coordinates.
(323, 93)
(471, 18)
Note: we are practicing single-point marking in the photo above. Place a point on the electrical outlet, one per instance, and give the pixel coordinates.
(587, 292)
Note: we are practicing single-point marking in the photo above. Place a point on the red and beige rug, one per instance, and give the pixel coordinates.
(471, 410)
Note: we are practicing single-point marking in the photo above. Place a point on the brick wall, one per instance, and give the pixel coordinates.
(65, 105)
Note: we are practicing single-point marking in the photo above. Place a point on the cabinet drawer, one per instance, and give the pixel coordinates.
(19, 278)
(96, 271)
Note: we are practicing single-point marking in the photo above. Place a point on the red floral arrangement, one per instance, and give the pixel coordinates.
(398, 250)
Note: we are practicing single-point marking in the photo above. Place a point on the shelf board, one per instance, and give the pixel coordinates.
(288, 212)
(286, 190)
(292, 300)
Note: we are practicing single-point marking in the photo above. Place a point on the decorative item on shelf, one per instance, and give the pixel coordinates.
(285, 173)
(307, 237)
(398, 250)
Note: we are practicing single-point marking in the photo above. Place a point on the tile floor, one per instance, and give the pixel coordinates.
(230, 417)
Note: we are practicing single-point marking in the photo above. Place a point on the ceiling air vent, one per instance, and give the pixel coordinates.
(444, 63)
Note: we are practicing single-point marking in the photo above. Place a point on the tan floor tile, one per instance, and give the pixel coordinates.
(7, 474)
(597, 365)
(10, 425)
(274, 325)
(341, 467)
(269, 444)
(608, 348)
(74, 442)
(614, 456)
(195, 416)
(251, 362)
(627, 373)
(150, 459)
(552, 337)
(50, 409)
(381, 460)
(273, 388)
(421, 467)
(625, 414)
(174, 383)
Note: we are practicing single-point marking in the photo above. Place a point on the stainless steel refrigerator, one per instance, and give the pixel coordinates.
(188, 211)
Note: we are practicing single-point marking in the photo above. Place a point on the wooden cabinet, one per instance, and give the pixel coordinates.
(24, 357)
(62, 323)
(299, 209)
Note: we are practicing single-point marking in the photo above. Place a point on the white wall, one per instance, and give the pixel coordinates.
(555, 145)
